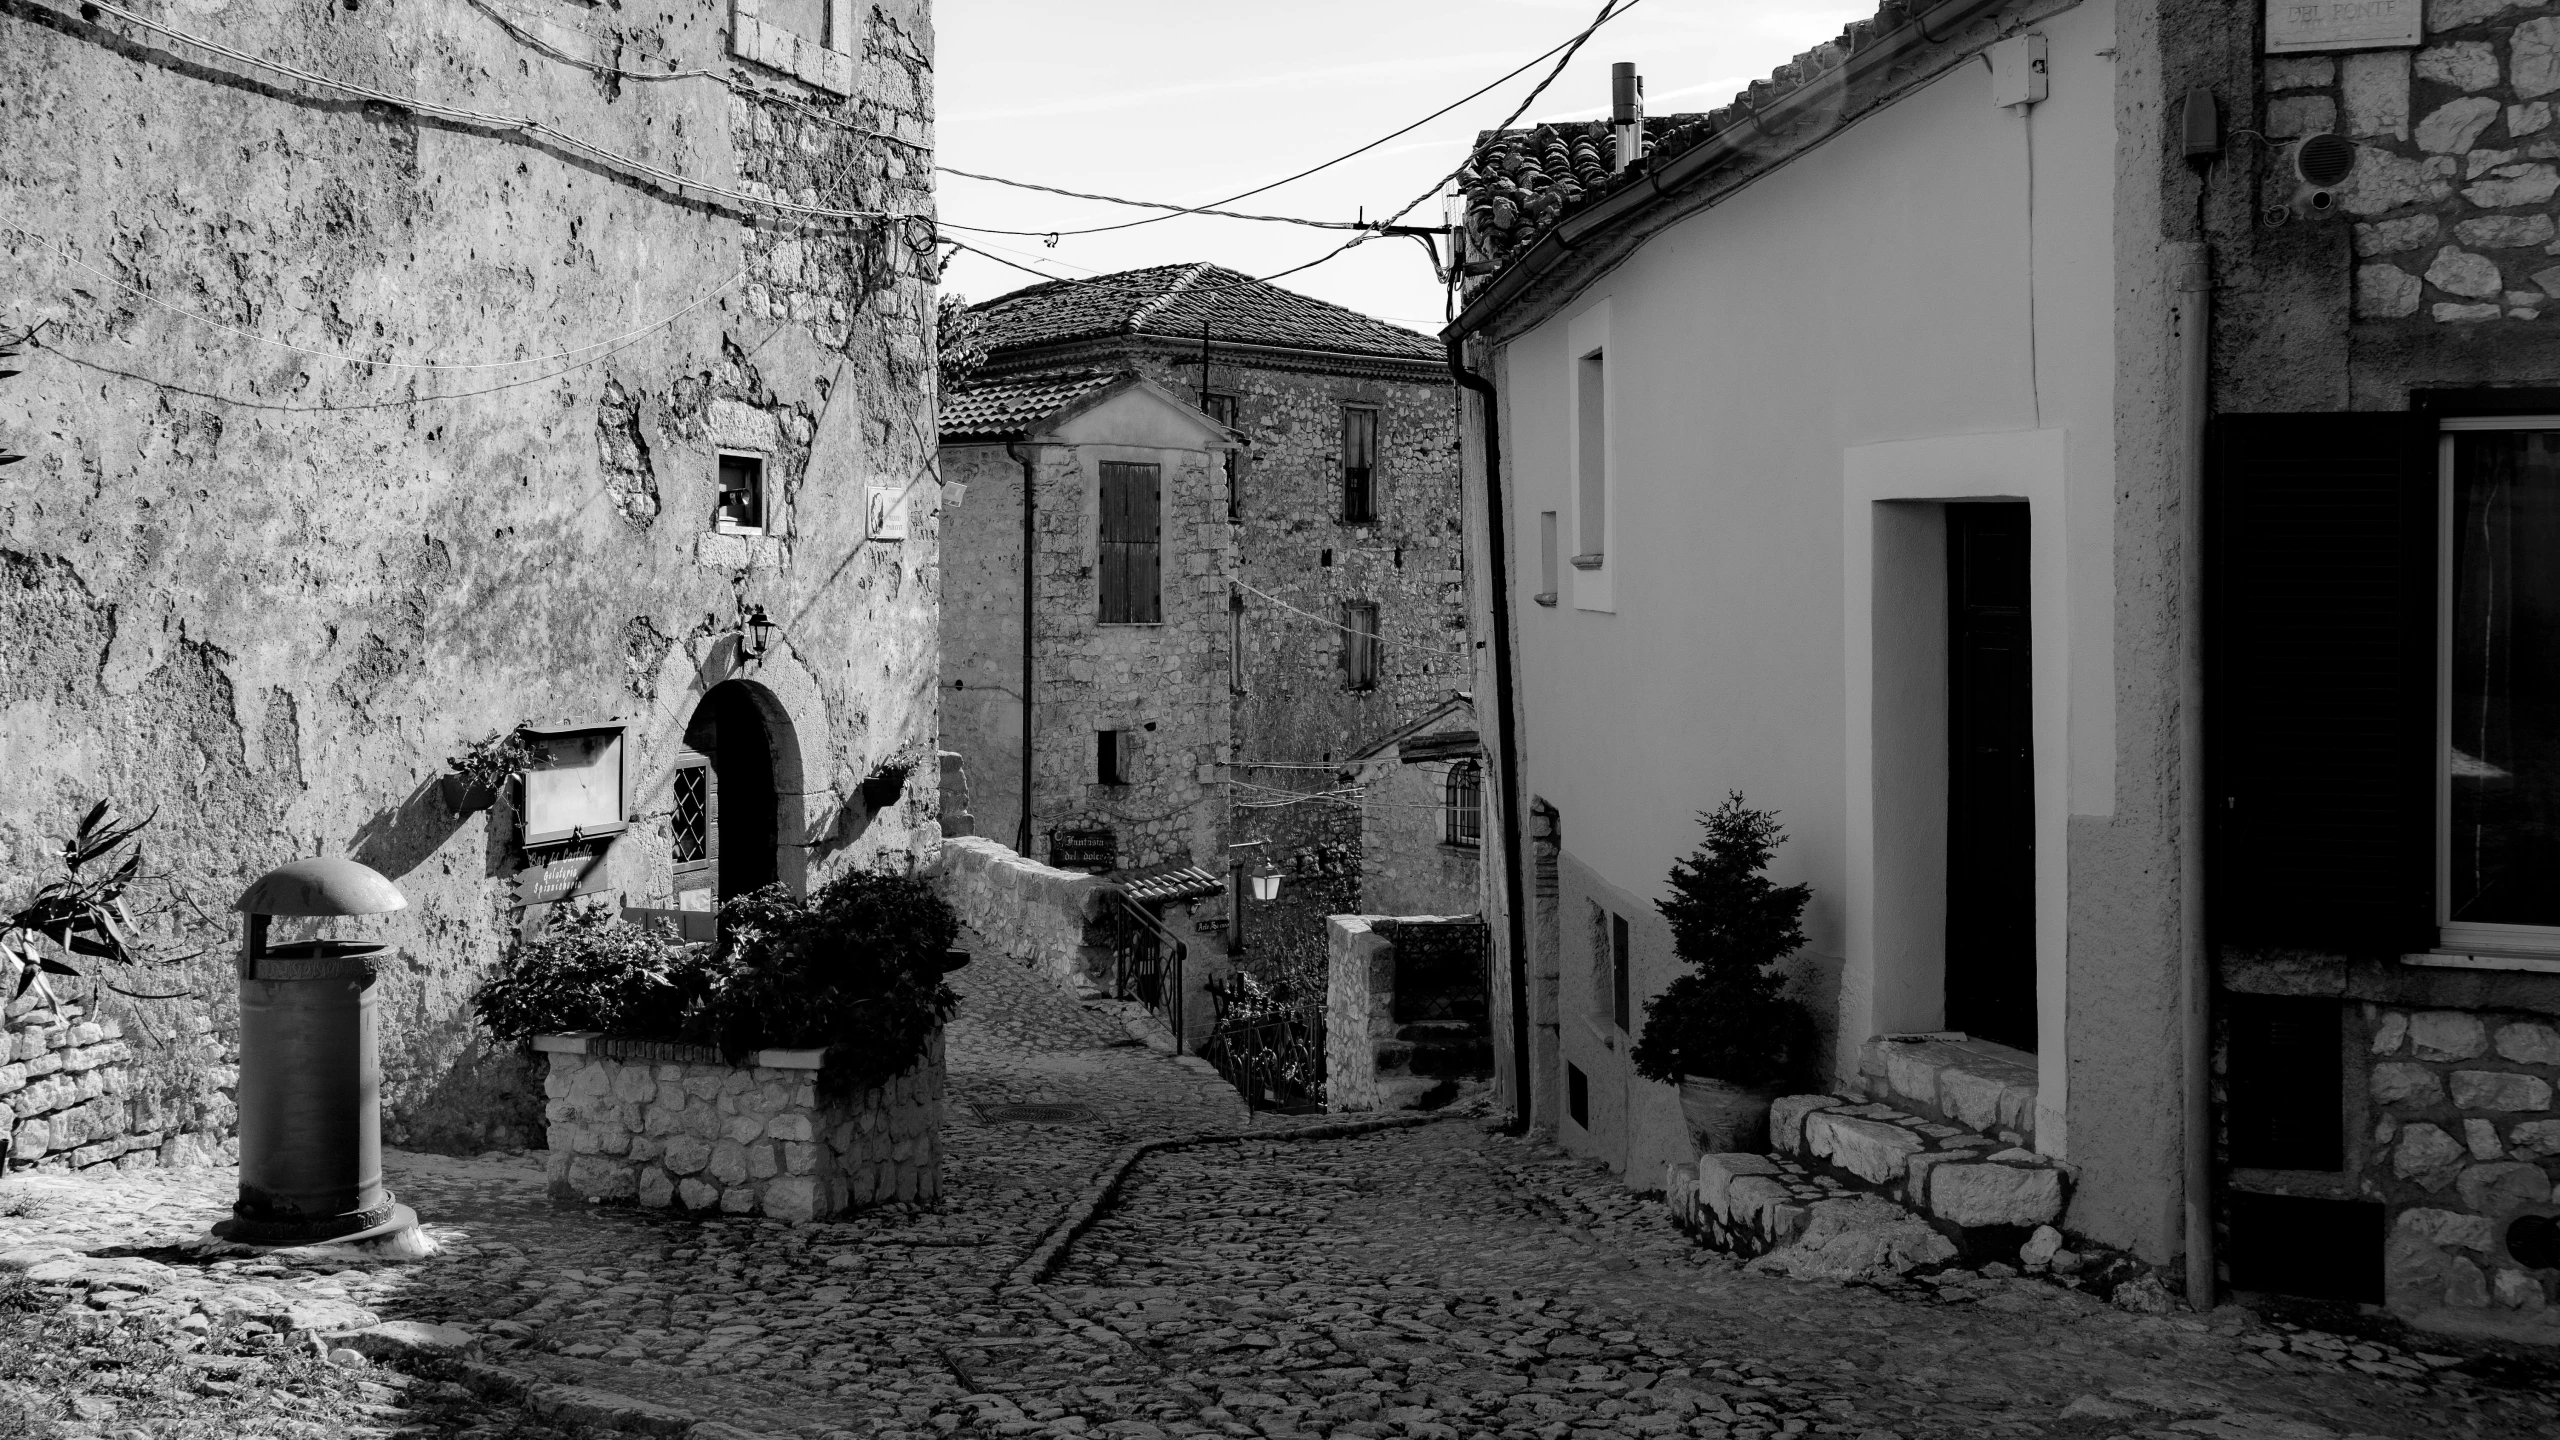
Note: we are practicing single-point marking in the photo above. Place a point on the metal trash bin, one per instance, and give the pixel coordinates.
(310, 1066)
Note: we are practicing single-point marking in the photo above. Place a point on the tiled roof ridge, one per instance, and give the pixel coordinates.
(1191, 274)
(1512, 197)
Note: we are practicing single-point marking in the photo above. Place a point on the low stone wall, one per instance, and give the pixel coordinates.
(2466, 1144)
(1380, 1053)
(66, 1089)
(1030, 913)
(677, 1127)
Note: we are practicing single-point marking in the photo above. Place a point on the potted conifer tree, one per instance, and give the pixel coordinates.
(1723, 1033)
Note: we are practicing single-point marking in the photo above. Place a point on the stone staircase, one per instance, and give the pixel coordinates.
(1932, 1164)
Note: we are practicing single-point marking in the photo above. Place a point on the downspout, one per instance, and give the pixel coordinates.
(1022, 828)
(1506, 747)
(2190, 321)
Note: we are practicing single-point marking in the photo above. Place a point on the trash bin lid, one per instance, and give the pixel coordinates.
(326, 885)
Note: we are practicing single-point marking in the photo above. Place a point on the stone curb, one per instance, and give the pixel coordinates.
(1097, 1198)
(587, 1405)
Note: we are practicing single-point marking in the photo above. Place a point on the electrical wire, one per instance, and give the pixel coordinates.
(1211, 208)
(1377, 637)
(345, 357)
(523, 124)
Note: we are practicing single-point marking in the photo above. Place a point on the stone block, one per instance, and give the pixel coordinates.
(2539, 1139)
(1786, 1120)
(598, 1177)
(1718, 1173)
(764, 1160)
(2481, 1136)
(1872, 1150)
(2447, 1035)
(2464, 65)
(2427, 1156)
(687, 1154)
(799, 1159)
(2393, 1027)
(793, 1125)
(2462, 273)
(2512, 185)
(1860, 1238)
(738, 1200)
(741, 1128)
(698, 1195)
(728, 1163)
(792, 1197)
(2533, 57)
(2525, 1042)
(2516, 1290)
(1993, 1194)
(2505, 232)
(2450, 1228)
(2289, 116)
(2466, 1286)
(2499, 1090)
(2375, 87)
(634, 1084)
(2501, 1187)
(2301, 72)
(2397, 1082)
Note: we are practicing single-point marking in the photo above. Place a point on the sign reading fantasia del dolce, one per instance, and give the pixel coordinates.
(2294, 25)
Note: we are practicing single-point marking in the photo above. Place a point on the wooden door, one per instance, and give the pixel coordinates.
(1991, 811)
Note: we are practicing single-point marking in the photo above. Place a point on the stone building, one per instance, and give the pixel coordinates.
(360, 426)
(2126, 603)
(1421, 794)
(1318, 561)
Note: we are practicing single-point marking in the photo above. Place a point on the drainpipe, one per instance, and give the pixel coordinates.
(1507, 749)
(1022, 829)
(2190, 322)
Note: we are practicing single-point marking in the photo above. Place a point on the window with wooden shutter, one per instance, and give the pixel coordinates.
(1225, 410)
(2320, 628)
(1360, 646)
(1359, 464)
(1132, 544)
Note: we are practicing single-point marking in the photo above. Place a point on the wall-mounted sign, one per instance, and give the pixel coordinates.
(573, 789)
(2298, 25)
(580, 870)
(1095, 850)
(887, 510)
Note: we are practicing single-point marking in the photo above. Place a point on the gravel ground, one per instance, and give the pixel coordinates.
(1435, 1282)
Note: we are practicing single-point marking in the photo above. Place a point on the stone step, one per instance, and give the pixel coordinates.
(1955, 1079)
(1861, 1187)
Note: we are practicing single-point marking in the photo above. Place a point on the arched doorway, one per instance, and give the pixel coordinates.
(726, 835)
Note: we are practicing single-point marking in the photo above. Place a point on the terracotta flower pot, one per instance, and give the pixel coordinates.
(466, 796)
(1726, 1119)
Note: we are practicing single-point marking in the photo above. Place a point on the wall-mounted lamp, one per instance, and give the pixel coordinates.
(756, 633)
(1266, 882)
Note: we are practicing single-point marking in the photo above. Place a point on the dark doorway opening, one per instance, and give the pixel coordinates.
(729, 728)
(1991, 810)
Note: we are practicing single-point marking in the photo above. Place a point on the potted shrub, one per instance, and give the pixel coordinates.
(1723, 1033)
(473, 778)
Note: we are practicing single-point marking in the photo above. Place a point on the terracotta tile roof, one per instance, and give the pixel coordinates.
(1008, 408)
(1175, 301)
(1520, 182)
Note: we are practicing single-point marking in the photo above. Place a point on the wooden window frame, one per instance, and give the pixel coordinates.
(1462, 806)
(1110, 757)
(1227, 410)
(1361, 658)
(1360, 482)
(1123, 553)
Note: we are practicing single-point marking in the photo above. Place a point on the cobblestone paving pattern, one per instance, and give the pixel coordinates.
(1435, 1283)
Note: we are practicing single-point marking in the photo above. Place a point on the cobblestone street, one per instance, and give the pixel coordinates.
(1435, 1282)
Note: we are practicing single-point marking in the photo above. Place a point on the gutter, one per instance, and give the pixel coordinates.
(2190, 321)
(1506, 739)
(1733, 143)
(1022, 828)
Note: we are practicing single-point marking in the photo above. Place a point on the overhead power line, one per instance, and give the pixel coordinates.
(1569, 45)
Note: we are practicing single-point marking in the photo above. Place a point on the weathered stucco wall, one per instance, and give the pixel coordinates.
(267, 591)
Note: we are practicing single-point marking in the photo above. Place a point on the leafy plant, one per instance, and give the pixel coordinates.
(1733, 924)
(960, 341)
(80, 913)
(855, 969)
(590, 970)
(487, 763)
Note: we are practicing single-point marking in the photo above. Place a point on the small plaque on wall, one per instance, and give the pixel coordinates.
(888, 512)
(2300, 25)
(581, 871)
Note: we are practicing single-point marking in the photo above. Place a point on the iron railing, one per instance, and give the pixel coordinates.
(1147, 961)
(1270, 1050)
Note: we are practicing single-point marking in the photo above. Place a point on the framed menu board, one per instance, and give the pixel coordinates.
(574, 788)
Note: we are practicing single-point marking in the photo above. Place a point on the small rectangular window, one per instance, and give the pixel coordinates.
(1577, 1095)
(1618, 988)
(1132, 543)
(740, 509)
(1110, 757)
(2286, 1082)
(1591, 461)
(1546, 558)
(1224, 409)
(1359, 464)
(1360, 646)
(1464, 811)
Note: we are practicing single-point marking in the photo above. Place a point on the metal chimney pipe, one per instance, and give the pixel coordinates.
(1626, 112)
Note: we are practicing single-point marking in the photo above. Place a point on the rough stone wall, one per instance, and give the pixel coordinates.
(267, 590)
(1407, 866)
(1294, 544)
(1032, 914)
(677, 1127)
(2465, 1142)
(982, 634)
(68, 1087)
(1359, 1010)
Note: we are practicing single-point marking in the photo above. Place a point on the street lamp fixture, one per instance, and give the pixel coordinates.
(759, 628)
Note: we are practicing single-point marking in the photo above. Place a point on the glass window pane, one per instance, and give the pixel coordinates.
(2503, 741)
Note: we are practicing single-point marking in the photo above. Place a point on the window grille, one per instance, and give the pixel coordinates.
(692, 813)
(1359, 464)
(1464, 810)
(1132, 543)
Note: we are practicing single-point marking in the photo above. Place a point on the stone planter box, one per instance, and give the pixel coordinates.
(647, 1122)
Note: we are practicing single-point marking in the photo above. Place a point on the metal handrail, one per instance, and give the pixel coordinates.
(1169, 995)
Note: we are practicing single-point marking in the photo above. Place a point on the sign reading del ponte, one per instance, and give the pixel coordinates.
(2294, 25)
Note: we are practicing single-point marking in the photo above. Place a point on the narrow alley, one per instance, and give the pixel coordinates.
(1435, 1280)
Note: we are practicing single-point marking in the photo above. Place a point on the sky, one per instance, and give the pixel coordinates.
(1190, 101)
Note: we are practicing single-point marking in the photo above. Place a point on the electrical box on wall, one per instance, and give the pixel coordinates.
(2020, 67)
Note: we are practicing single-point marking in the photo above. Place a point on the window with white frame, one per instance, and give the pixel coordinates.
(1462, 810)
(740, 508)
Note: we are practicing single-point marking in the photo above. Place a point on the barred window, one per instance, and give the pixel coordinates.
(1463, 808)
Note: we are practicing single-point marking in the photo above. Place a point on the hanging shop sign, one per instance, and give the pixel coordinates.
(563, 874)
(2300, 25)
(573, 790)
